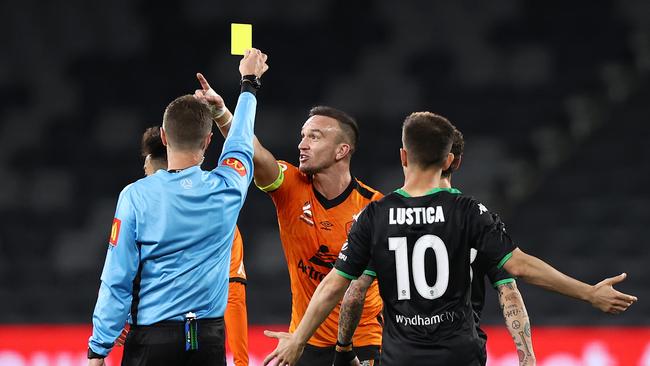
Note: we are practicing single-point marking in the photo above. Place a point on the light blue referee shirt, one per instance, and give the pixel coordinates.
(170, 243)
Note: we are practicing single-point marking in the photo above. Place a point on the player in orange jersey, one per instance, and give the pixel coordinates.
(155, 158)
(316, 203)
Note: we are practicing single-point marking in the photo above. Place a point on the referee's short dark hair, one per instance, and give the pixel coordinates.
(427, 138)
(187, 122)
(152, 144)
(346, 122)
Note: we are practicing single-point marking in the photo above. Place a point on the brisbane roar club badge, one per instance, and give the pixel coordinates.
(235, 164)
(115, 231)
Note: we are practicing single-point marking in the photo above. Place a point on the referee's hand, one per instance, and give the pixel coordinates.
(253, 63)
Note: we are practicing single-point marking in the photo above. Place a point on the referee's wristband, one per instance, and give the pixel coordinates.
(93, 354)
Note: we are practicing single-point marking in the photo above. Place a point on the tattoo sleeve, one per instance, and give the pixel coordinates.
(352, 306)
(517, 322)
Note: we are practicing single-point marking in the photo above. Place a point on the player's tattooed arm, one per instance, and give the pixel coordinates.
(266, 167)
(352, 307)
(517, 322)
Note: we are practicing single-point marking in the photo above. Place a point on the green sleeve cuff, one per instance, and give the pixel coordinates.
(504, 260)
(503, 282)
(345, 275)
(276, 183)
(370, 273)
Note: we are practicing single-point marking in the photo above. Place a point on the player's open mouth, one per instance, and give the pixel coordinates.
(302, 158)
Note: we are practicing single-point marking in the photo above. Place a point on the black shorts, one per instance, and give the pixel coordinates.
(324, 356)
(164, 344)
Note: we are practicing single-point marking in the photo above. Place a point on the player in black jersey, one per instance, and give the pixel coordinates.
(510, 299)
(426, 293)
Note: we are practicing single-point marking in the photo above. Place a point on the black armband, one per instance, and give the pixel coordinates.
(250, 83)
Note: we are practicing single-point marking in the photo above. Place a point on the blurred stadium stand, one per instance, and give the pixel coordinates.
(552, 98)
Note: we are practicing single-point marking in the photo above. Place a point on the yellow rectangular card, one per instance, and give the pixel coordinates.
(241, 38)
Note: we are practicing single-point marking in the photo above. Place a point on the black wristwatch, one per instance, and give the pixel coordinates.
(253, 80)
(92, 354)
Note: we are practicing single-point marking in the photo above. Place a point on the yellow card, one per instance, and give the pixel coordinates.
(241, 38)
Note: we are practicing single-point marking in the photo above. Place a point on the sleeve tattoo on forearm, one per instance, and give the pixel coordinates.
(517, 322)
(352, 307)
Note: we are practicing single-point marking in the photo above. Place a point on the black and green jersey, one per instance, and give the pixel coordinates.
(420, 252)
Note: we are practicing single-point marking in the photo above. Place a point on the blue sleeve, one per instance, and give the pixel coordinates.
(120, 268)
(236, 160)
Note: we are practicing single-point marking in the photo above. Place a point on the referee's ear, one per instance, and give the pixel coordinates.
(163, 136)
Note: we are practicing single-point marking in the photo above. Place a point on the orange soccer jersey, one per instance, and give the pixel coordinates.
(313, 230)
(235, 317)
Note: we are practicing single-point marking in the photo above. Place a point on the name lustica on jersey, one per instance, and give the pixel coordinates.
(415, 215)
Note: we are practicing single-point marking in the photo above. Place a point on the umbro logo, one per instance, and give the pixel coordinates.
(326, 225)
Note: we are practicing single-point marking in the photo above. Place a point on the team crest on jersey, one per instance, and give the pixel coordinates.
(115, 232)
(235, 164)
(307, 215)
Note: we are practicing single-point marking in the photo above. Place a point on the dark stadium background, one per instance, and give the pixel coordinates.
(553, 99)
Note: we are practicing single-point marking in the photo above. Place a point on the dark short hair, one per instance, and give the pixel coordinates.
(152, 144)
(457, 148)
(427, 138)
(187, 121)
(346, 122)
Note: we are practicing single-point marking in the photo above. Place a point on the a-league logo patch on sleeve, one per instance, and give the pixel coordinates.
(115, 231)
(235, 164)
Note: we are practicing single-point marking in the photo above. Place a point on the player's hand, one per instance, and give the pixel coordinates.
(122, 337)
(607, 299)
(287, 352)
(96, 362)
(253, 63)
(207, 95)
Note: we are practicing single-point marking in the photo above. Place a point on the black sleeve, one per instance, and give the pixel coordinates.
(488, 235)
(355, 254)
(499, 276)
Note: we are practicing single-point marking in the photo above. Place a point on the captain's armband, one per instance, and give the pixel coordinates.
(276, 183)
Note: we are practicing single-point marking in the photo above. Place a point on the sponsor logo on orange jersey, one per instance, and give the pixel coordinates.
(115, 231)
(235, 164)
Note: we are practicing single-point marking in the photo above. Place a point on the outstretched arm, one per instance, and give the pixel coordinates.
(266, 167)
(327, 295)
(602, 295)
(517, 322)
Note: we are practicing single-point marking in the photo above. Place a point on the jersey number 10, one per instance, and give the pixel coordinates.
(399, 246)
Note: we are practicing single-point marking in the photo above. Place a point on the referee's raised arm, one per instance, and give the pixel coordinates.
(266, 169)
(238, 149)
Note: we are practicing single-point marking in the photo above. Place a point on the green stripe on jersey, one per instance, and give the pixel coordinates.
(404, 193)
(370, 273)
(345, 275)
(504, 260)
(503, 282)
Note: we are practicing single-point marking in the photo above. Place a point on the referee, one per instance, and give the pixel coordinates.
(166, 269)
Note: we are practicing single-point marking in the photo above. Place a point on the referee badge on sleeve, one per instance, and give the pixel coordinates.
(115, 231)
(235, 164)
